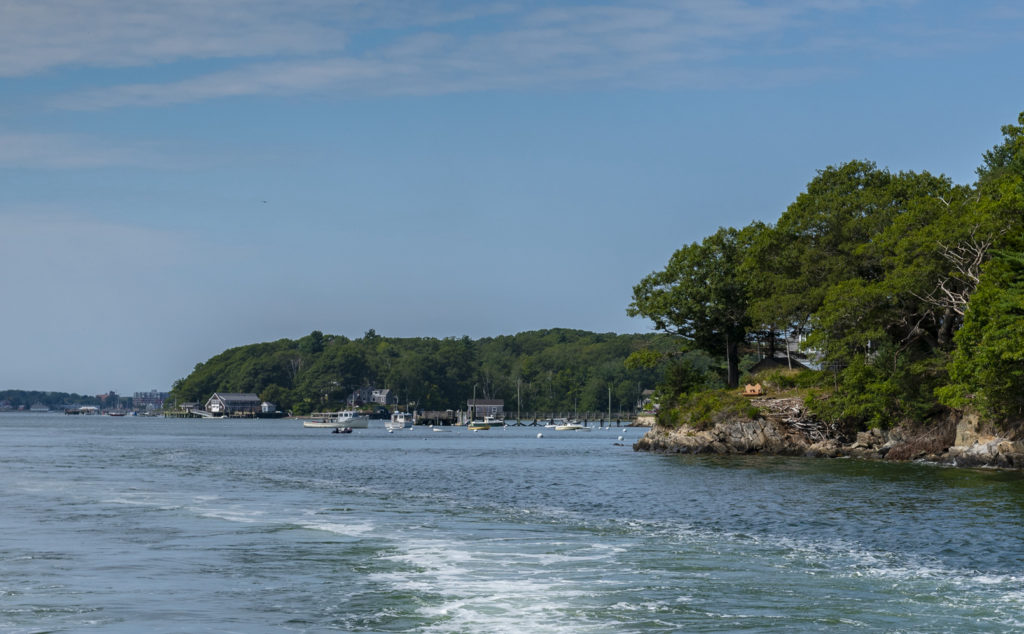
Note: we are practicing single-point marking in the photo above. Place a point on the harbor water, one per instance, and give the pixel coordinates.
(159, 525)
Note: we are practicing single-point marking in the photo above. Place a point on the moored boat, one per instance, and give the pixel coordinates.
(400, 420)
(345, 418)
(571, 426)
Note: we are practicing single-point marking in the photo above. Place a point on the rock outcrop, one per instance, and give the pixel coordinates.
(786, 429)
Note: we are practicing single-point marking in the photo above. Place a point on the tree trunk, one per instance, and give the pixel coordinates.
(945, 336)
(732, 357)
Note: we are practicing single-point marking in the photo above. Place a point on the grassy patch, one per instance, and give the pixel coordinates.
(702, 410)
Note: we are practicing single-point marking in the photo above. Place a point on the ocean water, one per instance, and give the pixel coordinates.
(134, 524)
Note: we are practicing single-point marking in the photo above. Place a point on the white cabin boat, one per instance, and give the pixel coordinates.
(400, 420)
(345, 418)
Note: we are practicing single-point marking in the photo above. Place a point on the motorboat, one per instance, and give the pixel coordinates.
(353, 419)
(345, 418)
(342, 430)
(478, 425)
(571, 426)
(400, 420)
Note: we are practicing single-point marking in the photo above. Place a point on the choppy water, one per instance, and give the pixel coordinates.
(129, 525)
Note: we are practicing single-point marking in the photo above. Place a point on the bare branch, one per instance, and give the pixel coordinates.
(966, 257)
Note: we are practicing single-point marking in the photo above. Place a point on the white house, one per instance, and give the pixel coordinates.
(230, 403)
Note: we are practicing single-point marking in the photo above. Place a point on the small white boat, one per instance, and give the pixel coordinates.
(400, 420)
(571, 426)
(345, 418)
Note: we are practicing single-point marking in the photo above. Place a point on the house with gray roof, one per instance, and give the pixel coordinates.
(228, 403)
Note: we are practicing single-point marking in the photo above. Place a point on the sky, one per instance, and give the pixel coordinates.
(179, 178)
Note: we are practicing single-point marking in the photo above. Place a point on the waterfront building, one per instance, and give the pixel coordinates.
(232, 403)
(481, 407)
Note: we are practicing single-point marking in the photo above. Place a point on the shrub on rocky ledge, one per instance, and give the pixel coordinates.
(702, 410)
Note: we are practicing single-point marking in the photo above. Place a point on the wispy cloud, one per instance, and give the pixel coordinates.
(264, 47)
(40, 35)
(60, 151)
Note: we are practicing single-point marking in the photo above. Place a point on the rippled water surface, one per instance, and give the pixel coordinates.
(132, 524)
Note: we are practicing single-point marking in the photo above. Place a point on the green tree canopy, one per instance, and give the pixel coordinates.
(701, 297)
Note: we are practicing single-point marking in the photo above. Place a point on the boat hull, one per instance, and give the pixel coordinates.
(360, 422)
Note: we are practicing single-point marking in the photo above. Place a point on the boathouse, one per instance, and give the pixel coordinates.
(229, 403)
(479, 407)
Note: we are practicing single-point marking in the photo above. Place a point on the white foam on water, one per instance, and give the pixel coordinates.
(244, 516)
(490, 586)
(348, 530)
(912, 579)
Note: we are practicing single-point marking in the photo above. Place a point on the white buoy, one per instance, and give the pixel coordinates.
(540, 435)
(620, 437)
(391, 431)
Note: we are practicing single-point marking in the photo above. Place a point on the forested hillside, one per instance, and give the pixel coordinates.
(14, 399)
(908, 288)
(555, 370)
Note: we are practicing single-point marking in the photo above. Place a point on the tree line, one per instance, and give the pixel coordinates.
(54, 400)
(557, 370)
(908, 288)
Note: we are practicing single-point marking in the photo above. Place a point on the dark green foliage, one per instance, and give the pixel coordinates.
(988, 365)
(891, 278)
(701, 297)
(702, 409)
(53, 400)
(555, 370)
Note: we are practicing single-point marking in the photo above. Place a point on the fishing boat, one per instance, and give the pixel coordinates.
(400, 420)
(478, 425)
(345, 418)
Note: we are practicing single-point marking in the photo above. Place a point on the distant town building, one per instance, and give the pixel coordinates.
(5, 406)
(110, 400)
(231, 403)
(267, 407)
(149, 401)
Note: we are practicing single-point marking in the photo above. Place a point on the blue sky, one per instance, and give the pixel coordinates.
(178, 178)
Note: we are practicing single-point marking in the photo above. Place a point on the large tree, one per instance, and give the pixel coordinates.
(987, 371)
(700, 296)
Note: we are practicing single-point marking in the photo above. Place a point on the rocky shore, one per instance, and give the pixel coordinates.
(786, 429)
